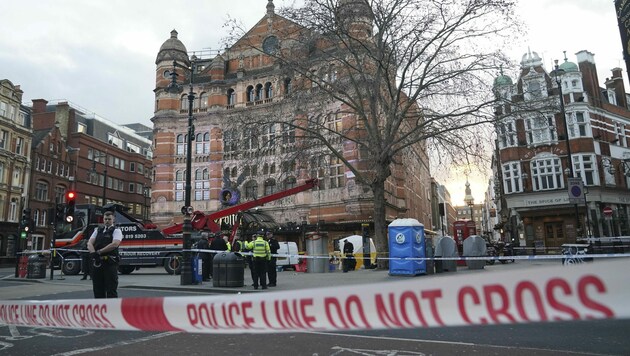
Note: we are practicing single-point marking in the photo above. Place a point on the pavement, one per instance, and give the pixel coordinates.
(157, 279)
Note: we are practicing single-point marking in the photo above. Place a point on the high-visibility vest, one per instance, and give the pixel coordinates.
(261, 248)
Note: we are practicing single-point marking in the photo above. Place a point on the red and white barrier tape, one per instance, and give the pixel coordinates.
(581, 292)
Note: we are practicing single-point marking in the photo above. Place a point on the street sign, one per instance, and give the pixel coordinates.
(608, 212)
(576, 190)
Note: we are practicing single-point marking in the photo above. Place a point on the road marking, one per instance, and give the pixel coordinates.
(120, 343)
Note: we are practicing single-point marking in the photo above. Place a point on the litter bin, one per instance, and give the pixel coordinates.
(475, 246)
(445, 247)
(317, 246)
(36, 267)
(406, 240)
(228, 270)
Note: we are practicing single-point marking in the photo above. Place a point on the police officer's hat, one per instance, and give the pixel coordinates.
(260, 233)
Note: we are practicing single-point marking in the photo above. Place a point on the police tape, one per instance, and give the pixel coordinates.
(153, 254)
(548, 294)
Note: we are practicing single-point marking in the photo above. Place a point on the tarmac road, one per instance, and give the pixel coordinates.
(607, 337)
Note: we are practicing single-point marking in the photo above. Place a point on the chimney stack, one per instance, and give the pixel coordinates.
(586, 63)
(616, 84)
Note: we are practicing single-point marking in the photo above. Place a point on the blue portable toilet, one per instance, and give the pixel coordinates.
(406, 240)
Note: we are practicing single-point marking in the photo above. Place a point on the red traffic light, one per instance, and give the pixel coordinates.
(70, 195)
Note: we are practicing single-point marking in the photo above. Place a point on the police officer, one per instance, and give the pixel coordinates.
(226, 238)
(261, 256)
(348, 251)
(85, 260)
(217, 244)
(246, 248)
(206, 261)
(272, 273)
(103, 247)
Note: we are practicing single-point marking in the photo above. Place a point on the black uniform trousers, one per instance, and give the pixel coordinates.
(250, 264)
(206, 265)
(260, 272)
(85, 263)
(272, 273)
(105, 279)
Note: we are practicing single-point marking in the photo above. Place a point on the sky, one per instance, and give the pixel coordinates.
(100, 54)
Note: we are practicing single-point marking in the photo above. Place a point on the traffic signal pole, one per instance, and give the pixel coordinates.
(53, 240)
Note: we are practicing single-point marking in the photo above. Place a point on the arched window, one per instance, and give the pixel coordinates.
(268, 135)
(202, 143)
(268, 90)
(251, 190)
(203, 100)
(181, 144)
(231, 97)
(287, 86)
(202, 184)
(270, 186)
(259, 92)
(288, 134)
(230, 140)
(183, 102)
(250, 139)
(289, 183)
(318, 166)
(179, 186)
(250, 93)
(35, 217)
(43, 220)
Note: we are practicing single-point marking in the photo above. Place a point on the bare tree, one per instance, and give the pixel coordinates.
(415, 74)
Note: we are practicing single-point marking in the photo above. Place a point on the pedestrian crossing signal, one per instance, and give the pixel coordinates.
(25, 223)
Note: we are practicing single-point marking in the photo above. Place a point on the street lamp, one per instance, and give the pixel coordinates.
(147, 196)
(557, 73)
(173, 87)
(94, 173)
(471, 203)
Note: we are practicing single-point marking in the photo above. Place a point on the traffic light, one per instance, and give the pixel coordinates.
(70, 202)
(25, 223)
(60, 213)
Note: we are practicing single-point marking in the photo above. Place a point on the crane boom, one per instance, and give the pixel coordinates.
(201, 221)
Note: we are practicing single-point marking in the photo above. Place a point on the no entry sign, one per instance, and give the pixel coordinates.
(608, 212)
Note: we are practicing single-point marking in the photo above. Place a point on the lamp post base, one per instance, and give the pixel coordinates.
(186, 277)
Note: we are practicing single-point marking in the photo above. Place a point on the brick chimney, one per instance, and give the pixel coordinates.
(586, 63)
(39, 106)
(616, 83)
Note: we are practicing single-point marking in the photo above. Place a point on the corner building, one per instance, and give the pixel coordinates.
(533, 156)
(245, 79)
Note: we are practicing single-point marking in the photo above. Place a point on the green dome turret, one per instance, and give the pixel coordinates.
(502, 79)
(568, 66)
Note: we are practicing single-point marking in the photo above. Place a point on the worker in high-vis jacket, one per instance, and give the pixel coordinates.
(262, 254)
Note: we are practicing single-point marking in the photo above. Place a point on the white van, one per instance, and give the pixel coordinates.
(287, 248)
(357, 243)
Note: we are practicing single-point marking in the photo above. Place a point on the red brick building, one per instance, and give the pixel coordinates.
(533, 154)
(240, 80)
(77, 150)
